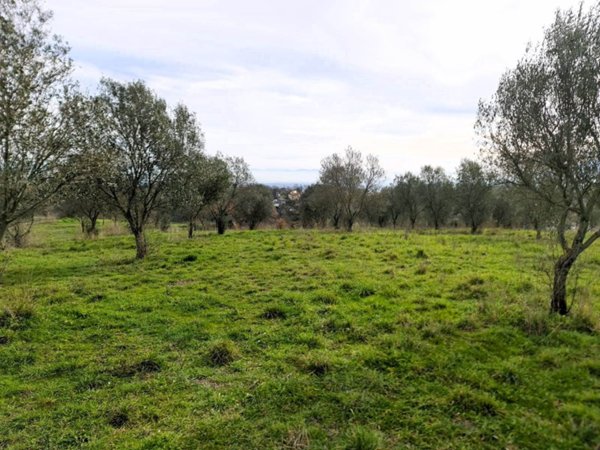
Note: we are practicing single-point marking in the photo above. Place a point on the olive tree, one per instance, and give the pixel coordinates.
(541, 131)
(138, 140)
(436, 195)
(318, 206)
(253, 205)
(473, 186)
(352, 179)
(34, 144)
(533, 211)
(378, 207)
(409, 191)
(395, 208)
(238, 175)
(503, 206)
(82, 197)
(200, 179)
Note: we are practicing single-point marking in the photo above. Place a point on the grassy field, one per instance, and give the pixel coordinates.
(295, 339)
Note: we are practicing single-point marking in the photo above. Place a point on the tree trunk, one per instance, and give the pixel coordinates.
(413, 221)
(3, 228)
(349, 224)
(538, 229)
(559, 287)
(93, 223)
(220, 225)
(140, 244)
(336, 222)
(474, 227)
(91, 230)
(191, 229)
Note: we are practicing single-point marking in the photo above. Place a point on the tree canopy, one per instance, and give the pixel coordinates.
(541, 131)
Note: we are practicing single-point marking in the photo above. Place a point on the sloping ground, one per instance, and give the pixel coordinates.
(295, 339)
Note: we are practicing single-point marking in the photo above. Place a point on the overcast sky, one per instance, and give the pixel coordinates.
(285, 83)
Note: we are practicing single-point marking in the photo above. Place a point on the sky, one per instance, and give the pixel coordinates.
(285, 83)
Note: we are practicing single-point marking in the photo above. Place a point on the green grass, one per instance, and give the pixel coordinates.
(294, 339)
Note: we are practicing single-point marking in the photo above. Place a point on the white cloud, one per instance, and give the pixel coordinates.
(286, 83)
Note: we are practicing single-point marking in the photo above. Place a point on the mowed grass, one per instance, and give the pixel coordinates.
(295, 339)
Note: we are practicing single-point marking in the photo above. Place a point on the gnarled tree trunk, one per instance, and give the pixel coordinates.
(336, 221)
(559, 286)
(90, 229)
(3, 228)
(140, 244)
(349, 223)
(220, 225)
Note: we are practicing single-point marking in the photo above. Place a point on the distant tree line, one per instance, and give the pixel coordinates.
(431, 199)
(123, 152)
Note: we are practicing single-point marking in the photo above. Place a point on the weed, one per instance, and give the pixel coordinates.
(222, 353)
(421, 254)
(464, 400)
(535, 321)
(421, 270)
(118, 419)
(274, 312)
(17, 312)
(361, 438)
(584, 318)
(143, 367)
(5, 258)
(297, 439)
(317, 367)
(323, 296)
(360, 290)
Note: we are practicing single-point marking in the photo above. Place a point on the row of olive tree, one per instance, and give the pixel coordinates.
(141, 160)
(121, 151)
(350, 189)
